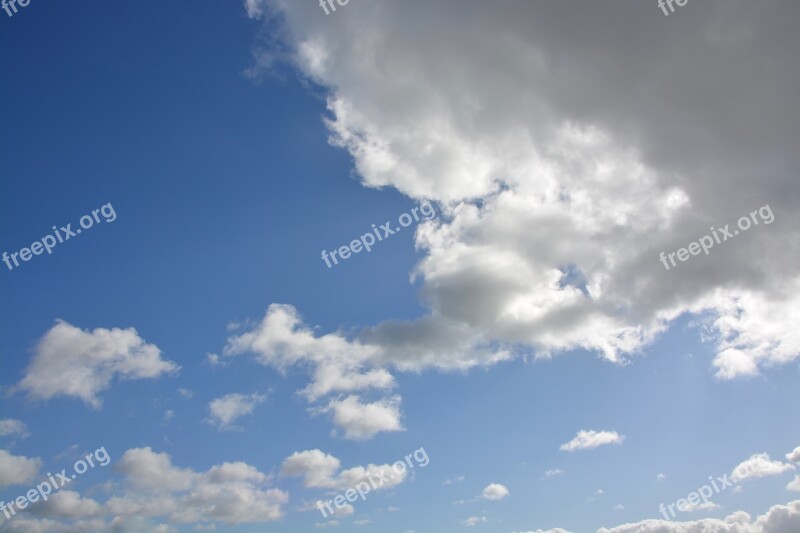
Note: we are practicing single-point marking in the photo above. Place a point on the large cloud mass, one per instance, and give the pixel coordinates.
(569, 143)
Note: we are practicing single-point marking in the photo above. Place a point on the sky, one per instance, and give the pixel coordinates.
(415, 267)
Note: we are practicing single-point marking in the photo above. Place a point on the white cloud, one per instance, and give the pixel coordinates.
(553, 473)
(494, 491)
(186, 394)
(229, 408)
(17, 470)
(794, 484)
(339, 365)
(361, 421)
(321, 471)
(231, 493)
(558, 189)
(474, 521)
(794, 455)
(586, 440)
(661, 477)
(757, 466)
(68, 361)
(779, 519)
(690, 507)
(67, 504)
(457, 479)
(10, 427)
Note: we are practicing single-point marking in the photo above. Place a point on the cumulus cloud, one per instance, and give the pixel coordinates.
(553, 473)
(10, 427)
(17, 470)
(794, 455)
(757, 466)
(361, 421)
(322, 471)
(68, 361)
(794, 484)
(558, 188)
(494, 491)
(586, 440)
(229, 493)
(337, 365)
(779, 519)
(227, 409)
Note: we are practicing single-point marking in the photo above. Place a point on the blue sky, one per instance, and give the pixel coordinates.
(236, 141)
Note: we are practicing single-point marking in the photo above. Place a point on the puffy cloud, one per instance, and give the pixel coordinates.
(586, 440)
(794, 484)
(794, 455)
(361, 421)
(494, 491)
(321, 471)
(474, 521)
(779, 519)
(759, 465)
(338, 365)
(226, 410)
(17, 470)
(230, 493)
(560, 186)
(10, 427)
(66, 504)
(68, 361)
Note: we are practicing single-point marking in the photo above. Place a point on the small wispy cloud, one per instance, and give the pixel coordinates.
(586, 440)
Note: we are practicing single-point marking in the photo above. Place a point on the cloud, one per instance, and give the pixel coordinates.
(230, 493)
(794, 455)
(68, 361)
(779, 519)
(457, 479)
(10, 427)
(337, 365)
(556, 530)
(227, 409)
(558, 189)
(494, 491)
(66, 504)
(553, 473)
(474, 521)
(690, 507)
(321, 471)
(361, 421)
(794, 484)
(757, 466)
(586, 440)
(17, 470)
(661, 477)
